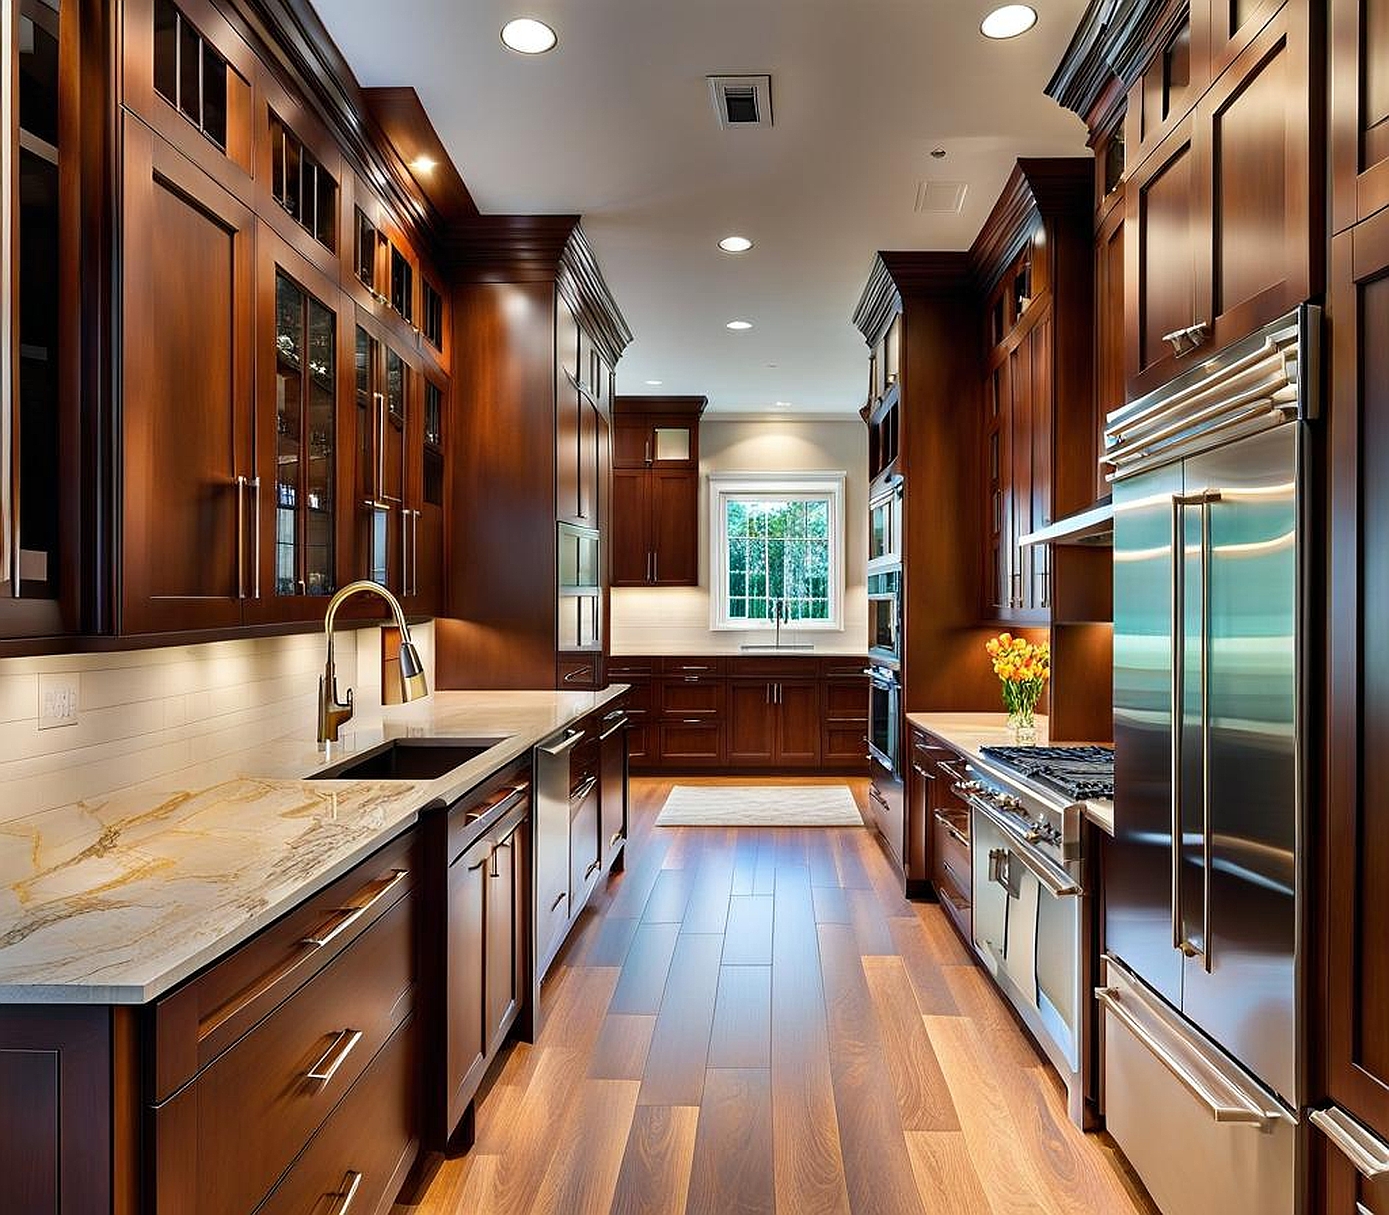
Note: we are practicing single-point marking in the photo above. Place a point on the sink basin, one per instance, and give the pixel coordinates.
(408, 759)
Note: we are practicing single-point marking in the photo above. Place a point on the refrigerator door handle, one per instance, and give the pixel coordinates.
(1226, 1101)
(1206, 837)
(1367, 1152)
(1178, 704)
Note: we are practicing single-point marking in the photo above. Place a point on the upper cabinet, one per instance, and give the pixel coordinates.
(655, 533)
(1359, 110)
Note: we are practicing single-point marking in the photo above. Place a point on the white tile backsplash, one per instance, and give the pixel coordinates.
(147, 713)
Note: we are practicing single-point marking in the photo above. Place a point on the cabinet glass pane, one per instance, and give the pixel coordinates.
(289, 392)
(321, 444)
(672, 443)
(166, 50)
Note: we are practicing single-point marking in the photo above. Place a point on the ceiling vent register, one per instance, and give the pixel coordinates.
(742, 101)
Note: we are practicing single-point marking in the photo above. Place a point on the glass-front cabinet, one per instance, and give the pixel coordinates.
(36, 414)
(384, 382)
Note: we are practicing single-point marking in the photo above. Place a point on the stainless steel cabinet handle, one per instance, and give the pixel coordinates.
(1057, 881)
(559, 898)
(255, 540)
(615, 840)
(1245, 1113)
(479, 864)
(241, 537)
(335, 1056)
(648, 451)
(955, 833)
(578, 675)
(691, 721)
(999, 865)
(404, 551)
(352, 914)
(415, 552)
(1178, 623)
(621, 724)
(593, 868)
(566, 744)
(1367, 1152)
(349, 1191)
(378, 400)
(656, 566)
(584, 790)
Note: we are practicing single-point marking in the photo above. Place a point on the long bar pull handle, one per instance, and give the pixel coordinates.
(953, 831)
(240, 537)
(255, 540)
(1220, 1110)
(570, 739)
(584, 790)
(335, 1056)
(404, 551)
(621, 724)
(1206, 837)
(655, 565)
(352, 914)
(378, 400)
(559, 898)
(415, 551)
(1178, 695)
(1367, 1152)
(351, 1183)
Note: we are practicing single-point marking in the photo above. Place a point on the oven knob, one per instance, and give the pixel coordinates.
(1009, 802)
(968, 787)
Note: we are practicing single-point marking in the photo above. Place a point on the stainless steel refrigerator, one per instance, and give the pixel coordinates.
(1203, 881)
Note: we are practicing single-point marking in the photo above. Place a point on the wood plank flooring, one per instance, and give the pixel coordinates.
(754, 1020)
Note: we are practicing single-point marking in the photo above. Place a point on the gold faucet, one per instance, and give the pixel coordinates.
(333, 714)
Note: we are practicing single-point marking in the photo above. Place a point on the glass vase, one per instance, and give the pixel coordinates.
(1024, 727)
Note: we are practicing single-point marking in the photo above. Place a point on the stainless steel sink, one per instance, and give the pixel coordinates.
(408, 759)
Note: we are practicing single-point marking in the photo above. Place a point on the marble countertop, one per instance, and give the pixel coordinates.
(969, 733)
(117, 899)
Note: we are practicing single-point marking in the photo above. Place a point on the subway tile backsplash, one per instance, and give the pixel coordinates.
(144, 714)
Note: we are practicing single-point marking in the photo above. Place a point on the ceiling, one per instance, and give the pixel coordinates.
(616, 124)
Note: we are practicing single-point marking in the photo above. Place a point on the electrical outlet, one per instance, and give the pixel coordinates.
(58, 700)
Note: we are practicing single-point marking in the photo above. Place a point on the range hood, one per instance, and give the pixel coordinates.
(1092, 526)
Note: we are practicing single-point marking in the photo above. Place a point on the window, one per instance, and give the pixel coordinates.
(777, 547)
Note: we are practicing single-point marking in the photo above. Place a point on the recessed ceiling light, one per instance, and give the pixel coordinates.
(654, 383)
(735, 244)
(424, 164)
(938, 153)
(738, 326)
(783, 404)
(528, 36)
(1009, 21)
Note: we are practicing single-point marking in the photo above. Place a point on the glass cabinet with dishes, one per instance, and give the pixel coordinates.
(383, 383)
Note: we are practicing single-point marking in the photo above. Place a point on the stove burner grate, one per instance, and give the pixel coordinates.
(1078, 772)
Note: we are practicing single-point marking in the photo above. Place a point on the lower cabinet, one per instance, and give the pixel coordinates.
(938, 826)
(612, 787)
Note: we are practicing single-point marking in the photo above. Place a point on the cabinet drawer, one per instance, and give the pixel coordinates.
(495, 799)
(197, 1022)
(772, 668)
(246, 1116)
(579, 671)
(691, 743)
(623, 670)
(366, 1147)
(843, 668)
(709, 667)
(846, 744)
(846, 700)
(950, 850)
(697, 698)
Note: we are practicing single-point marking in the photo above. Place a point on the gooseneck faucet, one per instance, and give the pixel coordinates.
(333, 714)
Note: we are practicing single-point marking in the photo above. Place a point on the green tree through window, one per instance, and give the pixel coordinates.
(778, 553)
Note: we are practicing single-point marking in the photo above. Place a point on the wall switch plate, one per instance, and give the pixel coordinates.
(58, 700)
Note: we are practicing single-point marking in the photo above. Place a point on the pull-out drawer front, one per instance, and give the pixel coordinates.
(499, 795)
(201, 1019)
(950, 849)
(708, 668)
(366, 1147)
(693, 696)
(1191, 1163)
(245, 1117)
(846, 700)
(579, 671)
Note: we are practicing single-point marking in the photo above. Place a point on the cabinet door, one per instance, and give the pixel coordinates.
(631, 443)
(467, 1002)
(798, 724)
(1109, 327)
(630, 530)
(504, 946)
(1175, 78)
(590, 427)
(569, 409)
(299, 457)
(1357, 796)
(674, 528)
(551, 878)
(1261, 252)
(427, 539)
(1359, 110)
(999, 564)
(186, 390)
(1042, 432)
(1163, 237)
(613, 786)
(1018, 491)
(384, 389)
(585, 855)
(751, 722)
(693, 742)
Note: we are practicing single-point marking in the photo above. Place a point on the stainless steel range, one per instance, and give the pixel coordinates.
(1031, 910)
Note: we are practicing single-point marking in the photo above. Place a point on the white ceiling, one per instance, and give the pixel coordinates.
(616, 124)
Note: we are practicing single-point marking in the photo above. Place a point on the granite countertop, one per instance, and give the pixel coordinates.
(116, 899)
(969, 733)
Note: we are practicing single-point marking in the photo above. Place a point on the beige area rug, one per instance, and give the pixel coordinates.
(760, 806)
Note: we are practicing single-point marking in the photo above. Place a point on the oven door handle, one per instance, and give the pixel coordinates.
(880, 761)
(1058, 882)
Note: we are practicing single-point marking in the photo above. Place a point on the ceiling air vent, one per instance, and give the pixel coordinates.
(742, 101)
(940, 197)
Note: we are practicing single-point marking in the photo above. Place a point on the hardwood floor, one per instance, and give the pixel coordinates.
(755, 1020)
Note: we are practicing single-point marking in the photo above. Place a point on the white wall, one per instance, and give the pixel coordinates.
(675, 620)
(147, 713)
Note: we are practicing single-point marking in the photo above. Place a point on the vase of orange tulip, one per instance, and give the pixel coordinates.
(1023, 668)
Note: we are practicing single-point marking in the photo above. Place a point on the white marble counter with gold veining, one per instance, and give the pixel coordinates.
(969, 733)
(116, 899)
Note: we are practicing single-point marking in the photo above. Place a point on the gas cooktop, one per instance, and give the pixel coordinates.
(1081, 773)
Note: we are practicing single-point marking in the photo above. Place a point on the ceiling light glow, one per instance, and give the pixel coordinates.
(735, 244)
(738, 326)
(424, 164)
(1009, 21)
(527, 36)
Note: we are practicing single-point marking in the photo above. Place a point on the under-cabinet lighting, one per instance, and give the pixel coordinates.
(423, 164)
(527, 36)
(1009, 21)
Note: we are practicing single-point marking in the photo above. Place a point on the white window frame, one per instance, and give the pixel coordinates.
(829, 485)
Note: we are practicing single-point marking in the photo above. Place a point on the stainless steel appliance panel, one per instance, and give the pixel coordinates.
(1138, 864)
(1240, 987)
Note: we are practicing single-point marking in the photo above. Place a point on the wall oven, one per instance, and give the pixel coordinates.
(885, 528)
(885, 616)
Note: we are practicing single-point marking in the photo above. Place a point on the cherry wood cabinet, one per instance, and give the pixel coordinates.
(612, 784)
(1224, 219)
(187, 530)
(1358, 110)
(1354, 917)
(655, 537)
